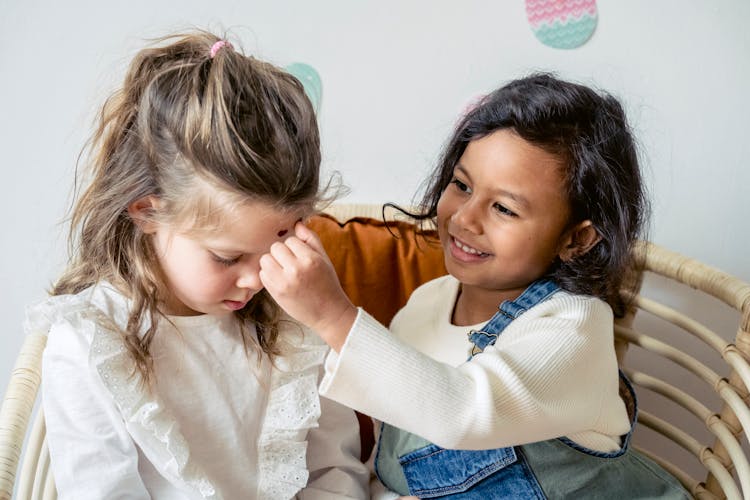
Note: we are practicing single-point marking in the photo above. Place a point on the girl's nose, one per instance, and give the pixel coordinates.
(468, 216)
(249, 276)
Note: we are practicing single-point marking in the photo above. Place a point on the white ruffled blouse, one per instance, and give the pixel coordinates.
(219, 424)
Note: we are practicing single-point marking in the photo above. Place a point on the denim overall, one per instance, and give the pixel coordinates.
(556, 468)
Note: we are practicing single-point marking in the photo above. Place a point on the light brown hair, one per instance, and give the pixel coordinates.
(181, 118)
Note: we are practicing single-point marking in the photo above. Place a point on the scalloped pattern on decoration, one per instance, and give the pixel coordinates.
(562, 24)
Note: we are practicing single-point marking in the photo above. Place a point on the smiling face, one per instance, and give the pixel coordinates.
(216, 271)
(502, 220)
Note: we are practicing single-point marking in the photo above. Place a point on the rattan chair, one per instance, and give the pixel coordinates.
(710, 395)
(34, 477)
(707, 375)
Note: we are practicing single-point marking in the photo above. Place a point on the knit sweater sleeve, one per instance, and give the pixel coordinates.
(551, 373)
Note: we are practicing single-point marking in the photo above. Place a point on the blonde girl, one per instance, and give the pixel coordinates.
(169, 372)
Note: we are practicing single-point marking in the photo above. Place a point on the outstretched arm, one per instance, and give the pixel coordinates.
(299, 275)
(520, 390)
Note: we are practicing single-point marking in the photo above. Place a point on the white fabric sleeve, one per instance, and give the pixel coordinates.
(92, 455)
(333, 450)
(546, 381)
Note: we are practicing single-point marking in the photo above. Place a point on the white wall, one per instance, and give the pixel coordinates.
(395, 75)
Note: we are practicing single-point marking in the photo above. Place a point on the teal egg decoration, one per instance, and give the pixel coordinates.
(310, 81)
(562, 24)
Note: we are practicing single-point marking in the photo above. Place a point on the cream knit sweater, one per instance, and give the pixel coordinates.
(551, 373)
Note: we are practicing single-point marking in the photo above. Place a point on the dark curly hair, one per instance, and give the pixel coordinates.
(588, 130)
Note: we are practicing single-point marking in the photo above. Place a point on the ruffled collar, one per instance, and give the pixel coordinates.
(293, 404)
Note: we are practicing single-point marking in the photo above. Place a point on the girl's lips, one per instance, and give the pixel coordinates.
(234, 305)
(465, 253)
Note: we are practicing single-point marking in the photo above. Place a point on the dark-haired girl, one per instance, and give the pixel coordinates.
(500, 380)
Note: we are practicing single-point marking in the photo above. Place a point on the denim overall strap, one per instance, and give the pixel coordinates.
(509, 310)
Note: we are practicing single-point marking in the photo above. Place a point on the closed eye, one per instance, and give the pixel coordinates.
(224, 261)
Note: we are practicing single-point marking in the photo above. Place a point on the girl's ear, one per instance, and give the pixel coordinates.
(578, 240)
(142, 211)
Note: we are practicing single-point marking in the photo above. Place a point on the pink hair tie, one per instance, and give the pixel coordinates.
(218, 45)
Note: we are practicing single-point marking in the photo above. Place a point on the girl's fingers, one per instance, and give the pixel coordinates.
(309, 237)
(269, 268)
(303, 251)
(283, 253)
(297, 253)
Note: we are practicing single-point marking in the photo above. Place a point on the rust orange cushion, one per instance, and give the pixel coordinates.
(378, 268)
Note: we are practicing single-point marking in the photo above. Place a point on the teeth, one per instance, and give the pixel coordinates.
(468, 249)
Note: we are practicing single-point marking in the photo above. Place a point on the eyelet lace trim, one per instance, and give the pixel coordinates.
(293, 409)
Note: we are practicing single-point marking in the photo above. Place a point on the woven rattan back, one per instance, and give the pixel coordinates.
(34, 477)
(692, 380)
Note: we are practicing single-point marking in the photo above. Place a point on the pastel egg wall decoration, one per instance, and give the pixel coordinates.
(562, 24)
(310, 81)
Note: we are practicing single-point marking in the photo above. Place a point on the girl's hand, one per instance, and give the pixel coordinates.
(300, 277)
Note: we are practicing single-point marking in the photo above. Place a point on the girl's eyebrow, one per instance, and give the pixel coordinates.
(518, 198)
